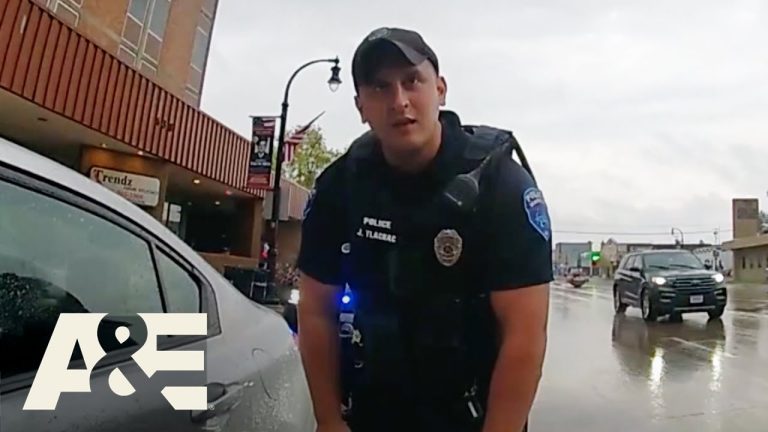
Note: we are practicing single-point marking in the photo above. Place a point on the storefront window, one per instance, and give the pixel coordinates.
(173, 218)
(210, 228)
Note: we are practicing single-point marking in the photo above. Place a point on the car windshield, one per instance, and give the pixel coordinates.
(673, 260)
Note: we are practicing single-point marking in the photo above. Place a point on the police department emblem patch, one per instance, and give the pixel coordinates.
(448, 245)
(536, 208)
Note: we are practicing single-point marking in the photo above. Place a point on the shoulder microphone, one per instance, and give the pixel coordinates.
(463, 190)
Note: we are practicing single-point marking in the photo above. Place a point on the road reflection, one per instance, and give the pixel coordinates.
(649, 351)
(695, 375)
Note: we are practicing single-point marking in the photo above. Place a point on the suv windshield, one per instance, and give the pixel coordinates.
(669, 260)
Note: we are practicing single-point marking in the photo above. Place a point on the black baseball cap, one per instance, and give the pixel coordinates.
(369, 53)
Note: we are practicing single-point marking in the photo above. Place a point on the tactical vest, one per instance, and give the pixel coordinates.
(428, 331)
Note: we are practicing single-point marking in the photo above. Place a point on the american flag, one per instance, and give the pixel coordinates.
(296, 138)
(264, 125)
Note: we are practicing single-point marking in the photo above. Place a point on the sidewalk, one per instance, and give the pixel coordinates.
(748, 291)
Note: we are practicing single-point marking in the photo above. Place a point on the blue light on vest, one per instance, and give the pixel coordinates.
(346, 298)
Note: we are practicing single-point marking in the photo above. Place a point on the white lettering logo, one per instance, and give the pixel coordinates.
(377, 223)
(72, 329)
(377, 235)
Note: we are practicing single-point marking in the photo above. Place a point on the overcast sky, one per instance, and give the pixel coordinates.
(636, 117)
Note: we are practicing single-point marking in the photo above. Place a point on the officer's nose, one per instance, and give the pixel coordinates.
(400, 99)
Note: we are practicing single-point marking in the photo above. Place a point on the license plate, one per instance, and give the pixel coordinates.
(697, 299)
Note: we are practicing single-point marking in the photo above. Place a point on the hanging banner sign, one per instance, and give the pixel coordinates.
(260, 161)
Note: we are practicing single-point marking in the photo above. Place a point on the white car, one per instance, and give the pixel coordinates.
(67, 244)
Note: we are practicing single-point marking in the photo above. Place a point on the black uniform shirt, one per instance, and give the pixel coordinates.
(515, 239)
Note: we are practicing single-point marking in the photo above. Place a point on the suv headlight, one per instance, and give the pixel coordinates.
(658, 280)
(294, 298)
(718, 278)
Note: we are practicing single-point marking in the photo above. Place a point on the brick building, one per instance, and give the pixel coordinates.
(113, 86)
(750, 242)
(567, 255)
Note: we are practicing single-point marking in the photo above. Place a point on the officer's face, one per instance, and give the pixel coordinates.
(401, 104)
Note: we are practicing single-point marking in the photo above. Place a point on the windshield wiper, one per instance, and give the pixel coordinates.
(688, 266)
(659, 266)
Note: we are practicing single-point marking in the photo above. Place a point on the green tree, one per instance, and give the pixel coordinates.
(312, 156)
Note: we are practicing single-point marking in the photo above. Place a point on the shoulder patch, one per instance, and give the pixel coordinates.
(536, 208)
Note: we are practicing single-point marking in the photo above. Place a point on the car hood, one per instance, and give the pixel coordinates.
(681, 273)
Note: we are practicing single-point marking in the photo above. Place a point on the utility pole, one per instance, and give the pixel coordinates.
(716, 250)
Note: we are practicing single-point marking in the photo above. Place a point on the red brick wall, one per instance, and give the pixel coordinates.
(56, 67)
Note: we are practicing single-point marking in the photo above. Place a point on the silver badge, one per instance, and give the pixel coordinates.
(346, 248)
(448, 244)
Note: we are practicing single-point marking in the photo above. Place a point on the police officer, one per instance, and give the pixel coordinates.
(444, 240)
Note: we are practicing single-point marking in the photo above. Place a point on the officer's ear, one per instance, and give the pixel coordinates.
(442, 89)
(359, 106)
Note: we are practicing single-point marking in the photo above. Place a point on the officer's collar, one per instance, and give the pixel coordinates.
(450, 121)
(452, 141)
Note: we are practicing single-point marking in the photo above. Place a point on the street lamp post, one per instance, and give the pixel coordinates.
(682, 237)
(333, 82)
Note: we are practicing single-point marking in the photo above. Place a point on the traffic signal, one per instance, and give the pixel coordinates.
(595, 257)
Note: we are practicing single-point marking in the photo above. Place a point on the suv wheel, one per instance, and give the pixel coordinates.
(618, 306)
(647, 306)
(716, 313)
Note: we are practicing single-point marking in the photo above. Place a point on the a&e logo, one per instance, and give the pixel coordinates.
(91, 330)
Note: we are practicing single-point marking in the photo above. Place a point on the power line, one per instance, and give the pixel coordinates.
(667, 226)
(617, 233)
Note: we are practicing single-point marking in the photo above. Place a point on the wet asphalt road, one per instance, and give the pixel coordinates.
(610, 373)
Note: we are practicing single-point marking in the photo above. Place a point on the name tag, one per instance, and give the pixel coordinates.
(377, 223)
(377, 229)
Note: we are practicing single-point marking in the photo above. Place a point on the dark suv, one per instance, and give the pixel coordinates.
(668, 282)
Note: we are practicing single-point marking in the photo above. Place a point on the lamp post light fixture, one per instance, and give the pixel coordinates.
(333, 84)
(682, 236)
(334, 81)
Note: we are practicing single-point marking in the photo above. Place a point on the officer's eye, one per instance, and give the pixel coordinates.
(412, 81)
(380, 86)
